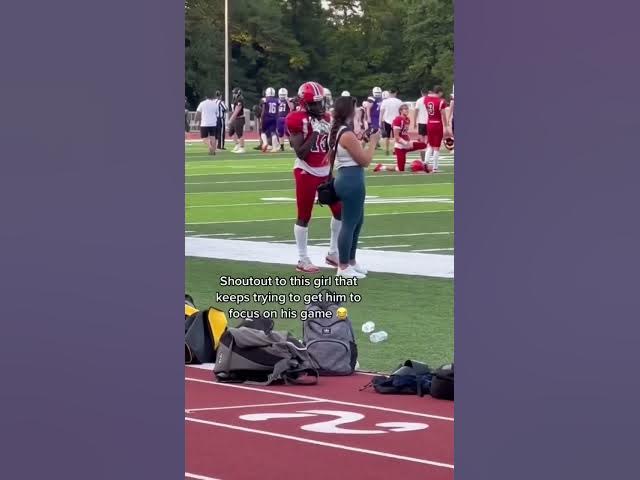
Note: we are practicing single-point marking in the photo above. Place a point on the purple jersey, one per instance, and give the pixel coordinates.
(270, 110)
(283, 108)
(375, 110)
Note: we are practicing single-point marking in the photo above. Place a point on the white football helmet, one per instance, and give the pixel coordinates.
(385, 94)
(270, 92)
(345, 94)
(377, 92)
(283, 93)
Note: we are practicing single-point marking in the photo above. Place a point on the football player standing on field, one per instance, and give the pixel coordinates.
(284, 107)
(270, 121)
(438, 125)
(308, 134)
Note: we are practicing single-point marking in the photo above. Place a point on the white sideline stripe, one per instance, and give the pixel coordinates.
(283, 157)
(315, 216)
(250, 238)
(255, 405)
(404, 263)
(198, 477)
(292, 189)
(279, 201)
(287, 180)
(387, 246)
(380, 236)
(433, 250)
(322, 444)
(327, 400)
(212, 234)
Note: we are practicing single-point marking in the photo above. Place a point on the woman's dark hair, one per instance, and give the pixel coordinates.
(343, 110)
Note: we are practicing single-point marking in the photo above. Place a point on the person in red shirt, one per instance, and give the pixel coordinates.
(308, 128)
(403, 143)
(437, 126)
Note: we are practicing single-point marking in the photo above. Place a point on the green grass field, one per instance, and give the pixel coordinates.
(251, 197)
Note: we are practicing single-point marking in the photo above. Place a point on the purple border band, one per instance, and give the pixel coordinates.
(547, 235)
(91, 202)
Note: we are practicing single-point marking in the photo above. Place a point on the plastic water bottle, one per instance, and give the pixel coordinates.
(378, 337)
(368, 327)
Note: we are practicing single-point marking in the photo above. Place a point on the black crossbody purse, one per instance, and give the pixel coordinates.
(326, 191)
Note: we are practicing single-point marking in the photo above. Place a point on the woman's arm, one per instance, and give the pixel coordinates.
(362, 156)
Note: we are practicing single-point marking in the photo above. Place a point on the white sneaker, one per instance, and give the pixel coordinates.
(240, 150)
(235, 149)
(349, 272)
(360, 269)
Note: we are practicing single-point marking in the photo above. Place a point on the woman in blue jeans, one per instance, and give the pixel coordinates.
(351, 160)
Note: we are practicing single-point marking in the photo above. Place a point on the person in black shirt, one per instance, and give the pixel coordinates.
(236, 122)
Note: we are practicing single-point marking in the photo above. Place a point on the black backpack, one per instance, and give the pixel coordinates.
(442, 382)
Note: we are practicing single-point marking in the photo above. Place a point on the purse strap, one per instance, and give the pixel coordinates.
(334, 150)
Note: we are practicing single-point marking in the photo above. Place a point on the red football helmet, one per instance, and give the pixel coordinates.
(448, 143)
(417, 166)
(311, 95)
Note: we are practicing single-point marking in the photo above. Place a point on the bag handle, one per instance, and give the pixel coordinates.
(334, 150)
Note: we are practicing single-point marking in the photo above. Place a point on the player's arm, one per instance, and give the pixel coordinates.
(367, 111)
(236, 112)
(301, 146)
(198, 118)
(444, 115)
(396, 135)
(382, 109)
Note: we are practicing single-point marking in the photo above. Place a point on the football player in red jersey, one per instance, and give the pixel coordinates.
(403, 143)
(308, 134)
(438, 125)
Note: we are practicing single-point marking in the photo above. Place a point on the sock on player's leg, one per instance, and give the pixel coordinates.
(335, 231)
(428, 154)
(436, 155)
(275, 142)
(263, 136)
(301, 234)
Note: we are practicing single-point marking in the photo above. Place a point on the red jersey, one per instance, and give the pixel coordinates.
(402, 123)
(316, 162)
(435, 105)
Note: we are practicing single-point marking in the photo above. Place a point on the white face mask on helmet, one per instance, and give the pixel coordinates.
(377, 92)
(283, 93)
(270, 92)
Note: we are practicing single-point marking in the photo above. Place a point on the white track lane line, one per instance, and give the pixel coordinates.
(198, 477)
(306, 397)
(323, 444)
(233, 407)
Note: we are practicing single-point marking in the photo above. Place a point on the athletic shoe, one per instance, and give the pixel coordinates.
(240, 150)
(360, 269)
(265, 148)
(378, 168)
(235, 149)
(427, 168)
(349, 272)
(305, 266)
(331, 259)
(282, 148)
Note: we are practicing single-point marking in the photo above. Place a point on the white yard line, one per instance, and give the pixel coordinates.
(289, 219)
(387, 246)
(291, 190)
(251, 238)
(212, 235)
(433, 250)
(405, 263)
(198, 477)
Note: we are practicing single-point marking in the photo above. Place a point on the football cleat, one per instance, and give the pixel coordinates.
(448, 143)
(306, 266)
(378, 168)
(427, 168)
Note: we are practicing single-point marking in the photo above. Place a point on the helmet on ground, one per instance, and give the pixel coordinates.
(417, 166)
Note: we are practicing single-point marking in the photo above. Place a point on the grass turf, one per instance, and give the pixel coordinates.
(251, 196)
(416, 312)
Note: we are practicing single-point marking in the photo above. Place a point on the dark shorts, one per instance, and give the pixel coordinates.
(237, 127)
(208, 132)
(386, 130)
(269, 126)
(281, 126)
(422, 129)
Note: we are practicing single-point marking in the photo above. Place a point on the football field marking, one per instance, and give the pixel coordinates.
(290, 190)
(387, 246)
(327, 400)
(323, 444)
(256, 405)
(198, 477)
(290, 219)
(433, 250)
(377, 260)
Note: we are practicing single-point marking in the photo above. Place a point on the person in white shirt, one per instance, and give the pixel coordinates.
(389, 110)
(420, 116)
(207, 120)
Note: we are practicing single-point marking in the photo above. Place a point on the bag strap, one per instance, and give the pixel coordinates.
(334, 150)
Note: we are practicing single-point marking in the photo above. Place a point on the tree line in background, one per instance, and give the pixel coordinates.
(343, 44)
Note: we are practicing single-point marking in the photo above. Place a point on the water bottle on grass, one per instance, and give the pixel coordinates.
(378, 337)
(368, 327)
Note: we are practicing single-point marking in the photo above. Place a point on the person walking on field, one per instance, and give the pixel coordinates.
(388, 112)
(350, 162)
(236, 122)
(438, 125)
(207, 120)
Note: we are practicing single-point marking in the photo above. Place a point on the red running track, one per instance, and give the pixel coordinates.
(238, 432)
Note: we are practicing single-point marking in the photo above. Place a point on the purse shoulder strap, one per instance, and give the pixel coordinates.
(334, 150)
